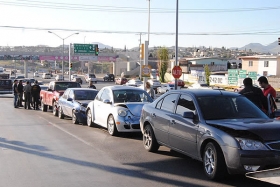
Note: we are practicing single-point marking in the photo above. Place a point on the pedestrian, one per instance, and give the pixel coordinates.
(270, 93)
(150, 90)
(91, 85)
(35, 92)
(254, 94)
(27, 95)
(20, 95)
(15, 90)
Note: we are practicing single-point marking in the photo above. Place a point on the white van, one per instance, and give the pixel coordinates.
(46, 76)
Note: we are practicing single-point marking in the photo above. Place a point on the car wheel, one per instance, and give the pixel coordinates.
(213, 161)
(74, 118)
(60, 113)
(149, 139)
(43, 106)
(111, 126)
(89, 119)
(54, 109)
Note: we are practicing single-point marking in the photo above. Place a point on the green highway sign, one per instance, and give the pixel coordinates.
(86, 49)
(242, 74)
(252, 75)
(232, 76)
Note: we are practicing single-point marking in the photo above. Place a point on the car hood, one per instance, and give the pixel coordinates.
(263, 129)
(134, 108)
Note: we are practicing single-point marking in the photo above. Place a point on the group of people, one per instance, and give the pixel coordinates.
(264, 99)
(31, 94)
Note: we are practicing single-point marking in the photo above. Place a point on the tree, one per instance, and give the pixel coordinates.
(162, 54)
(207, 73)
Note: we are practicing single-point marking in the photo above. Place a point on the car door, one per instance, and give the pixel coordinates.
(101, 108)
(161, 117)
(63, 100)
(69, 104)
(183, 131)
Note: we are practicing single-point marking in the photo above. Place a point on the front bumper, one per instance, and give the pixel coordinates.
(81, 116)
(128, 124)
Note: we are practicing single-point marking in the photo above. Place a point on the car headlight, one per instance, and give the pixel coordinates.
(247, 144)
(122, 112)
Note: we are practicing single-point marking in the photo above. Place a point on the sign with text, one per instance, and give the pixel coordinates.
(146, 71)
(176, 72)
(232, 76)
(252, 75)
(84, 48)
(242, 74)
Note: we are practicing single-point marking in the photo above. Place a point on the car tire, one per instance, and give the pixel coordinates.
(43, 106)
(60, 113)
(74, 118)
(214, 162)
(149, 140)
(89, 119)
(54, 109)
(111, 126)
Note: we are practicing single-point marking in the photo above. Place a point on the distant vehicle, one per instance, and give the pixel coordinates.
(135, 83)
(120, 80)
(73, 76)
(36, 74)
(46, 76)
(199, 86)
(180, 83)
(90, 78)
(59, 77)
(4, 76)
(1, 70)
(20, 77)
(77, 79)
(109, 77)
(6, 86)
(73, 103)
(166, 87)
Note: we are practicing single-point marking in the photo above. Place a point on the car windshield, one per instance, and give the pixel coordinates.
(65, 85)
(171, 85)
(121, 96)
(85, 94)
(225, 107)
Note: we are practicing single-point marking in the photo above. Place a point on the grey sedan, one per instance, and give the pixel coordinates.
(224, 130)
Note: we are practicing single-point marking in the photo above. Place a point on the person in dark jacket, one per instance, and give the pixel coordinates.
(15, 90)
(35, 92)
(91, 85)
(20, 93)
(27, 95)
(254, 94)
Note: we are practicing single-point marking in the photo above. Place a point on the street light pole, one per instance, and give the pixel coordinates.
(62, 49)
(176, 42)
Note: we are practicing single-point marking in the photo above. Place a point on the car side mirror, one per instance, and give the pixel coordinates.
(107, 101)
(189, 115)
(69, 99)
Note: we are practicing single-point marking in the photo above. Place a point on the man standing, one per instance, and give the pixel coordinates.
(35, 92)
(20, 91)
(27, 95)
(15, 90)
(91, 85)
(254, 94)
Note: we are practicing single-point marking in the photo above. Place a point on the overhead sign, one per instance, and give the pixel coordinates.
(242, 74)
(232, 76)
(252, 75)
(84, 48)
(176, 72)
(146, 70)
(77, 57)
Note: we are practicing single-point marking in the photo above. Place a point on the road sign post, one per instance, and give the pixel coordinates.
(176, 72)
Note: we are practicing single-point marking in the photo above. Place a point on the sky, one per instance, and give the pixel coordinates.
(118, 23)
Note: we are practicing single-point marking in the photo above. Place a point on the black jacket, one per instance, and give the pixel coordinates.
(255, 95)
(35, 90)
(20, 88)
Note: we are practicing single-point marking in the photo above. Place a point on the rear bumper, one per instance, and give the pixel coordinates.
(81, 116)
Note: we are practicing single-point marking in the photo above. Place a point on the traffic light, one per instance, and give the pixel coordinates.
(96, 50)
(240, 66)
(142, 51)
(71, 65)
(278, 41)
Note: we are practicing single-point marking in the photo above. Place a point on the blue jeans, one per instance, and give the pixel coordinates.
(15, 100)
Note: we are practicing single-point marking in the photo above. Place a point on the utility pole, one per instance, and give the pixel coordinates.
(140, 60)
(176, 42)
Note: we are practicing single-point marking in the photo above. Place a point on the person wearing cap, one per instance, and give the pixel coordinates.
(35, 92)
(27, 95)
(254, 94)
(15, 90)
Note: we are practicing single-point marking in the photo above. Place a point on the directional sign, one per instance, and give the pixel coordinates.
(242, 74)
(84, 48)
(232, 76)
(252, 75)
(176, 72)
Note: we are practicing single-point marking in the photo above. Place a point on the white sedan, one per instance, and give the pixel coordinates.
(166, 87)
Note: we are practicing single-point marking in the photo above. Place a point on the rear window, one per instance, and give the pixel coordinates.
(92, 76)
(65, 85)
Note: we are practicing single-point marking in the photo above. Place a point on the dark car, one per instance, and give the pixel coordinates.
(109, 77)
(224, 130)
(73, 103)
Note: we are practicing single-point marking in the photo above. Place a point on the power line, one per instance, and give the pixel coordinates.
(276, 32)
(89, 7)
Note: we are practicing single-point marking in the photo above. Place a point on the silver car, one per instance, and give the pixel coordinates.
(117, 108)
(224, 130)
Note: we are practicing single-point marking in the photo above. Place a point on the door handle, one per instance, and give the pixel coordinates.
(154, 115)
(172, 122)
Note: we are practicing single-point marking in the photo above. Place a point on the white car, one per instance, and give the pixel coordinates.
(166, 87)
(73, 76)
(59, 77)
(133, 82)
(154, 83)
(46, 76)
(117, 108)
(36, 74)
(90, 78)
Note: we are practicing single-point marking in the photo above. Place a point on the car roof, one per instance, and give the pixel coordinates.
(205, 92)
(120, 87)
(81, 89)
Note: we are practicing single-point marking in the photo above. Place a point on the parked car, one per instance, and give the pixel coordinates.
(36, 74)
(77, 79)
(20, 77)
(180, 83)
(133, 82)
(224, 130)
(59, 77)
(73, 76)
(90, 78)
(120, 80)
(109, 77)
(154, 83)
(117, 108)
(46, 76)
(199, 86)
(165, 88)
(73, 103)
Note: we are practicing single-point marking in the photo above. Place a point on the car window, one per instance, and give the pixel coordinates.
(85, 94)
(71, 94)
(98, 96)
(169, 102)
(159, 104)
(131, 95)
(185, 104)
(105, 95)
(65, 95)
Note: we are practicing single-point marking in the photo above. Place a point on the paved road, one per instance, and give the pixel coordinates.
(38, 149)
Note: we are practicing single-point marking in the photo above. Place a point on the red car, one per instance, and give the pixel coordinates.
(180, 82)
(120, 80)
